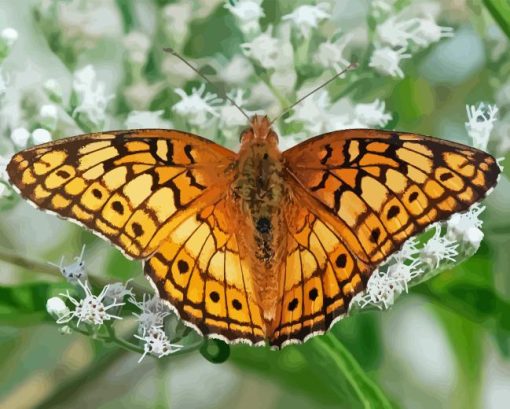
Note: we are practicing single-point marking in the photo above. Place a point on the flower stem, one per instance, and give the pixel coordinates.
(11, 257)
(163, 397)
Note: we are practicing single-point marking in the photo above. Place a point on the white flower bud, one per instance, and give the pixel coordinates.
(53, 90)
(9, 36)
(49, 116)
(19, 137)
(56, 307)
(40, 135)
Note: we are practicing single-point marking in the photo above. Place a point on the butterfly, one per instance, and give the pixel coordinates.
(259, 246)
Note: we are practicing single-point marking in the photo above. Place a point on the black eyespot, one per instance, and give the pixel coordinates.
(97, 193)
(137, 229)
(341, 261)
(293, 304)
(63, 174)
(313, 294)
(445, 176)
(413, 196)
(236, 304)
(263, 225)
(214, 296)
(117, 206)
(182, 266)
(374, 236)
(393, 211)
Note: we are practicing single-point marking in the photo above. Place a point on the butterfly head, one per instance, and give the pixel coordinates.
(259, 132)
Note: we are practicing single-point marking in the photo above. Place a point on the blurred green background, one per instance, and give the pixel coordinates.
(446, 344)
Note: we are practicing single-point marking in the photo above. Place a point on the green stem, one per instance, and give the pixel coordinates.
(163, 397)
(367, 392)
(121, 342)
(11, 257)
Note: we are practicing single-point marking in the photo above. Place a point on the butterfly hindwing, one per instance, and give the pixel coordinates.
(200, 271)
(381, 187)
(319, 276)
(132, 187)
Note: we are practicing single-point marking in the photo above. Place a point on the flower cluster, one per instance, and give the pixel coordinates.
(98, 310)
(399, 34)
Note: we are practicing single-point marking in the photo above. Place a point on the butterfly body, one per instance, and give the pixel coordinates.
(259, 195)
(259, 246)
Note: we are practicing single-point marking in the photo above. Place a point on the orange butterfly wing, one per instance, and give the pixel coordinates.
(358, 195)
(132, 187)
(200, 270)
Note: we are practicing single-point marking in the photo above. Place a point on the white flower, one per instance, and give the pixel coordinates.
(153, 312)
(137, 45)
(438, 248)
(330, 54)
(230, 116)
(386, 61)
(40, 135)
(381, 291)
(9, 36)
(3, 83)
(53, 90)
(197, 107)
(237, 71)
(117, 291)
(466, 227)
(19, 137)
(74, 272)
(307, 17)
(372, 114)
(248, 13)
(264, 49)
(313, 112)
(382, 6)
(147, 119)
(4, 190)
(403, 273)
(157, 343)
(177, 18)
(395, 33)
(57, 308)
(49, 116)
(408, 251)
(421, 31)
(91, 95)
(91, 309)
(429, 32)
(3, 167)
(480, 123)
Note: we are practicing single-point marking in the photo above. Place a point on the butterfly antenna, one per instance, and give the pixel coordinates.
(351, 66)
(220, 92)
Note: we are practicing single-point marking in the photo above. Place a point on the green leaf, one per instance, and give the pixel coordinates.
(500, 11)
(341, 364)
(26, 304)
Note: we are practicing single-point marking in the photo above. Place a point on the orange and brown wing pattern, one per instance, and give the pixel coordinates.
(132, 187)
(319, 275)
(380, 187)
(201, 272)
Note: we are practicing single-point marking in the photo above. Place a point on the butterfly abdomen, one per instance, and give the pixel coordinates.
(259, 191)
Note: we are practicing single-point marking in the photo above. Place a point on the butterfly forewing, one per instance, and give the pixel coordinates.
(383, 187)
(132, 187)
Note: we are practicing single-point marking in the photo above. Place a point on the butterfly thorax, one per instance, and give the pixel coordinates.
(259, 192)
